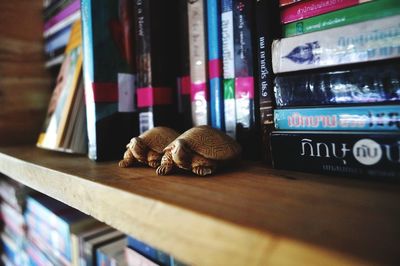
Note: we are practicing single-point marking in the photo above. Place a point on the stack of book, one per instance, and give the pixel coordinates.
(338, 88)
(58, 17)
(13, 235)
(51, 229)
(64, 128)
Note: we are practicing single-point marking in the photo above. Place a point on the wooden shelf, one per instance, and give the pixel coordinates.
(252, 215)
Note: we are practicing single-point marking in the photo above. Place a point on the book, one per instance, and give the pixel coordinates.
(377, 82)
(63, 14)
(183, 79)
(109, 71)
(60, 106)
(354, 154)
(57, 41)
(313, 8)
(357, 118)
(112, 254)
(156, 22)
(134, 258)
(246, 129)
(288, 2)
(68, 20)
(148, 251)
(199, 89)
(359, 13)
(266, 30)
(361, 42)
(54, 8)
(228, 67)
(215, 64)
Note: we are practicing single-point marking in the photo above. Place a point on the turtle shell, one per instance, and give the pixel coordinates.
(158, 138)
(210, 143)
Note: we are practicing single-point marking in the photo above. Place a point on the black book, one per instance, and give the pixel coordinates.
(157, 28)
(355, 154)
(267, 28)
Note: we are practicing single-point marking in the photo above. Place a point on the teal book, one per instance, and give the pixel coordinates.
(109, 76)
(360, 13)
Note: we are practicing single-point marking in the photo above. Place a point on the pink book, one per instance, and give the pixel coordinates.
(307, 9)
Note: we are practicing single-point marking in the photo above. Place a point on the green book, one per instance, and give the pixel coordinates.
(359, 13)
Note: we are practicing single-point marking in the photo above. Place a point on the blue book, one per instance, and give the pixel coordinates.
(58, 40)
(215, 64)
(360, 118)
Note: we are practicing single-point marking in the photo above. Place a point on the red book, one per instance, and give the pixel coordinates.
(307, 9)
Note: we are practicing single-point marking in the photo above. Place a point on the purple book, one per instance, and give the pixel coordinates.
(70, 9)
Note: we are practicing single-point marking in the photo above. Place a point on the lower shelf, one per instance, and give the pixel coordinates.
(251, 215)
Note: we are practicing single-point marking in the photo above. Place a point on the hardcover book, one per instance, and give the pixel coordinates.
(109, 68)
(357, 118)
(73, 7)
(313, 8)
(266, 30)
(68, 20)
(215, 64)
(228, 61)
(55, 8)
(354, 154)
(156, 27)
(198, 62)
(359, 13)
(361, 42)
(362, 83)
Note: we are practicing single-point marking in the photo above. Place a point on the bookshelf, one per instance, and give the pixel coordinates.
(252, 215)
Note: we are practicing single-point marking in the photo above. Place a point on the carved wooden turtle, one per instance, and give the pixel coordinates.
(148, 147)
(200, 150)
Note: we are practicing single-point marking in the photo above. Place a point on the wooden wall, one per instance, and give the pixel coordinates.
(24, 82)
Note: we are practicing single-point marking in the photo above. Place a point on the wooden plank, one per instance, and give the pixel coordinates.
(250, 215)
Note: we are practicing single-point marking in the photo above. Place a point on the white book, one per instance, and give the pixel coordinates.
(361, 42)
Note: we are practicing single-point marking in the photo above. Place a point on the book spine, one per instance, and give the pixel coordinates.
(244, 73)
(143, 53)
(354, 154)
(265, 33)
(361, 42)
(378, 82)
(362, 118)
(215, 64)
(228, 61)
(63, 14)
(58, 41)
(314, 8)
(183, 80)
(359, 13)
(62, 24)
(198, 69)
(288, 2)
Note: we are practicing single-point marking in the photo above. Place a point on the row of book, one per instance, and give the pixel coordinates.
(337, 88)
(329, 65)
(39, 230)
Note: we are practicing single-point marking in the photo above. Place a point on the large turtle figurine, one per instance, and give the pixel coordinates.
(200, 150)
(148, 147)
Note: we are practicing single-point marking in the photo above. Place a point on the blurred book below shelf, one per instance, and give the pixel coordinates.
(65, 125)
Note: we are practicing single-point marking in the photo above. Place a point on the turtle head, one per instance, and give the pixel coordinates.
(139, 149)
(181, 154)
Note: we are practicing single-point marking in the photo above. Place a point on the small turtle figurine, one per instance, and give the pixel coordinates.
(148, 147)
(200, 150)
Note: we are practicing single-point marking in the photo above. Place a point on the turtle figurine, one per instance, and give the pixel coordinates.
(200, 150)
(148, 147)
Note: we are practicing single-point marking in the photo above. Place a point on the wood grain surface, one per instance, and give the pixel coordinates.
(24, 83)
(251, 215)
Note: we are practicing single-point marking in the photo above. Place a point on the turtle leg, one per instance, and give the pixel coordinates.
(166, 164)
(127, 160)
(203, 166)
(153, 159)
